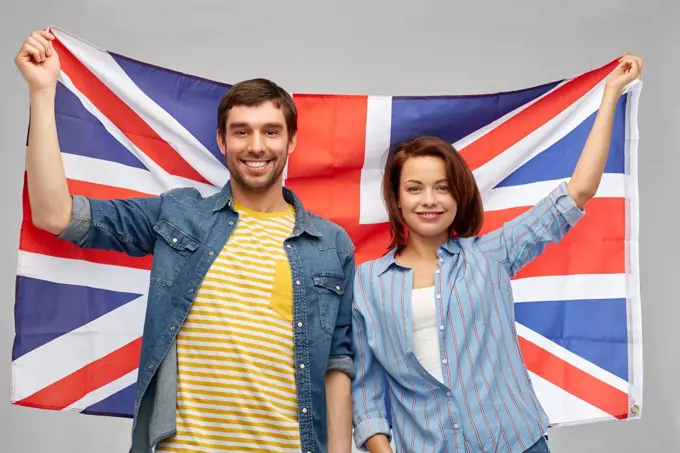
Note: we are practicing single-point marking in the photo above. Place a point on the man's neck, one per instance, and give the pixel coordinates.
(270, 201)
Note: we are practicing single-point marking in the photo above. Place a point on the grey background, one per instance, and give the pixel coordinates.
(379, 47)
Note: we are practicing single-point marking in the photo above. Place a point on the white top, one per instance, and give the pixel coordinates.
(426, 331)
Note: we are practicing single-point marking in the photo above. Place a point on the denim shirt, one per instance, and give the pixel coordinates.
(185, 233)
(486, 401)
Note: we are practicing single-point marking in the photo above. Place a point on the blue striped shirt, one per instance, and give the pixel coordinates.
(486, 402)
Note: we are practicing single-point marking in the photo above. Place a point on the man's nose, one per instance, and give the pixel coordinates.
(256, 144)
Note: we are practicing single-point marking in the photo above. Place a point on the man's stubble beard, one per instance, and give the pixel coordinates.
(259, 188)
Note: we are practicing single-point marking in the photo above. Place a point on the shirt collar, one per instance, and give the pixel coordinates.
(450, 247)
(303, 218)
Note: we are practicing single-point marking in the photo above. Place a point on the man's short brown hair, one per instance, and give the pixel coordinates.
(252, 93)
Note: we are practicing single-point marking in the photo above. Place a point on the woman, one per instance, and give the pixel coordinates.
(433, 322)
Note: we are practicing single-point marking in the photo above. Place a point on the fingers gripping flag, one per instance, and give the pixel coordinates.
(127, 128)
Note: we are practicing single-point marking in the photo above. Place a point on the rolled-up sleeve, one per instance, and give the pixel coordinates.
(341, 354)
(369, 428)
(520, 240)
(123, 225)
(81, 221)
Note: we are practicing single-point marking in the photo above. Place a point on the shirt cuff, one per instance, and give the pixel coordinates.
(81, 220)
(369, 428)
(565, 204)
(344, 364)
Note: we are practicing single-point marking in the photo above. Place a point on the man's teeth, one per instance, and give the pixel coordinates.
(256, 164)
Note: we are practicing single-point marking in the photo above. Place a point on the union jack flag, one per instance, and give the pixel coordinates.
(128, 128)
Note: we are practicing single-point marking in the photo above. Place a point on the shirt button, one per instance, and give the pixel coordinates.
(304, 410)
(445, 361)
(211, 253)
(302, 366)
(439, 296)
(338, 288)
(437, 271)
(288, 245)
(299, 324)
(441, 260)
(191, 290)
(441, 327)
(456, 426)
(231, 222)
(151, 366)
(174, 239)
(172, 327)
(448, 393)
(297, 282)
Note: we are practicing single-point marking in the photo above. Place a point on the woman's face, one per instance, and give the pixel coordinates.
(425, 197)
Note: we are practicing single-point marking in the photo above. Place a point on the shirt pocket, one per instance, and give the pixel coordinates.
(171, 252)
(281, 301)
(329, 287)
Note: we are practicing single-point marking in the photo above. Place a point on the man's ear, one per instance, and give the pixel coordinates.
(221, 144)
(291, 144)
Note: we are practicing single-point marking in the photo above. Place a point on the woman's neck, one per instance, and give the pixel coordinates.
(423, 248)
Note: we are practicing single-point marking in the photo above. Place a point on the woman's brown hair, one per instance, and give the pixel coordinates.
(462, 185)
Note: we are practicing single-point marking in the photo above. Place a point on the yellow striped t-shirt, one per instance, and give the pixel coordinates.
(236, 382)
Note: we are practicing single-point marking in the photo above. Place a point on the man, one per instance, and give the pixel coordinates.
(246, 343)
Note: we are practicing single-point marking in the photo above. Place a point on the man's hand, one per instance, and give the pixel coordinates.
(38, 62)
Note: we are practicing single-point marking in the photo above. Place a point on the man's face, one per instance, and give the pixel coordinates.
(256, 146)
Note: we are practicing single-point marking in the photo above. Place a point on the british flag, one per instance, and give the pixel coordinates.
(128, 128)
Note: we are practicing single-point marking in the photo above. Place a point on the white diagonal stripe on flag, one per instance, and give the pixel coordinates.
(571, 358)
(83, 273)
(561, 406)
(77, 349)
(102, 65)
(113, 174)
(104, 392)
(165, 180)
(500, 167)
